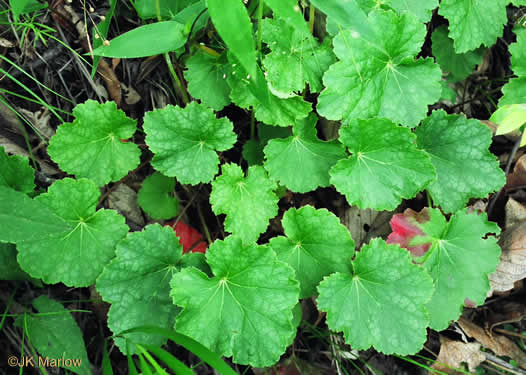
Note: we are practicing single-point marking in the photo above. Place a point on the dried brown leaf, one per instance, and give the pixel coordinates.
(367, 224)
(454, 353)
(512, 266)
(500, 345)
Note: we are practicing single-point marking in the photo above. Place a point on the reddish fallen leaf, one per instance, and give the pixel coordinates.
(405, 229)
(189, 237)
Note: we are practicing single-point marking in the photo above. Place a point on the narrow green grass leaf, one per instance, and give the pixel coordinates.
(147, 40)
(176, 365)
(235, 28)
(190, 344)
(106, 363)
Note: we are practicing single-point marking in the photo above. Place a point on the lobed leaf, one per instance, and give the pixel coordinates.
(316, 245)
(248, 202)
(185, 140)
(378, 75)
(472, 23)
(385, 166)
(251, 293)
(459, 65)
(382, 303)
(305, 149)
(136, 283)
(465, 168)
(59, 235)
(459, 261)
(296, 58)
(206, 76)
(91, 145)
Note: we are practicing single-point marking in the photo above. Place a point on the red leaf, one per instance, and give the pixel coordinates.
(405, 229)
(189, 237)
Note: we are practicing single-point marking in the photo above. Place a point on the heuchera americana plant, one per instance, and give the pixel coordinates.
(366, 74)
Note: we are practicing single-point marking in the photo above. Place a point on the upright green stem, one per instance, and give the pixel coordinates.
(178, 86)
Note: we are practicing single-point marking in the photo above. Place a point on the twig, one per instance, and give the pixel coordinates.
(497, 362)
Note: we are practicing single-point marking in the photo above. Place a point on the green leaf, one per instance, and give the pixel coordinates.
(91, 146)
(305, 149)
(316, 245)
(422, 9)
(235, 29)
(248, 202)
(9, 268)
(19, 7)
(514, 92)
(206, 76)
(347, 15)
(509, 118)
(100, 32)
(472, 23)
(382, 303)
(385, 166)
(518, 53)
(459, 152)
(167, 8)
(185, 140)
(137, 281)
(296, 58)
(16, 173)
(251, 293)
(459, 65)
(290, 12)
(380, 76)
(268, 108)
(59, 235)
(56, 335)
(459, 261)
(156, 197)
(168, 36)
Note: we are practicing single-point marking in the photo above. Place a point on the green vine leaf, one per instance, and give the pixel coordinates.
(316, 245)
(185, 140)
(459, 261)
(156, 197)
(380, 302)
(59, 235)
(56, 335)
(385, 166)
(91, 146)
(459, 65)
(137, 284)
(474, 23)
(273, 110)
(305, 149)
(206, 76)
(16, 173)
(251, 292)
(296, 58)
(248, 202)
(459, 152)
(378, 75)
